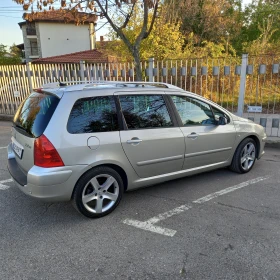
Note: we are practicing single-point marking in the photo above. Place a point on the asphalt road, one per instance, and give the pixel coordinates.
(226, 229)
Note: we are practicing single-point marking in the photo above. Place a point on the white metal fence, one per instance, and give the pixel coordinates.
(248, 86)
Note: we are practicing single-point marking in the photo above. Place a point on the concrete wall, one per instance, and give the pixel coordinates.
(27, 43)
(27, 47)
(60, 38)
(38, 39)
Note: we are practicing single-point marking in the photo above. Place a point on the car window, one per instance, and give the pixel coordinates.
(218, 113)
(193, 111)
(35, 113)
(94, 114)
(145, 111)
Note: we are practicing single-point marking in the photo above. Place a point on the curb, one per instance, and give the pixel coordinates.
(272, 144)
(6, 117)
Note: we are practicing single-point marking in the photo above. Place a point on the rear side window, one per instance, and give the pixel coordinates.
(35, 113)
(145, 111)
(94, 114)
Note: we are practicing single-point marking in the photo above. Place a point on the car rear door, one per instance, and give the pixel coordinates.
(29, 122)
(152, 142)
(206, 142)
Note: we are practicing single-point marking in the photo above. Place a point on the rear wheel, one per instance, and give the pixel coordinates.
(98, 192)
(245, 156)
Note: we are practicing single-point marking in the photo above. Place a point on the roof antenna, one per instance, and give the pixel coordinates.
(60, 83)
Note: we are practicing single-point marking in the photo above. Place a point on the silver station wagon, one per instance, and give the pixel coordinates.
(90, 142)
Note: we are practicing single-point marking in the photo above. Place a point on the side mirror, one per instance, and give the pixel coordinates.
(222, 121)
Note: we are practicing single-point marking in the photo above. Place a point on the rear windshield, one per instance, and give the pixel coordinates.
(35, 113)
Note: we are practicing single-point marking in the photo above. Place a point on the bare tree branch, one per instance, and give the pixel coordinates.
(128, 17)
(115, 28)
(153, 21)
(144, 26)
(101, 26)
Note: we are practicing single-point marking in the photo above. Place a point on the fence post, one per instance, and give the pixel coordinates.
(29, 69)
(242, 85)
(151, 68)
(82, 70)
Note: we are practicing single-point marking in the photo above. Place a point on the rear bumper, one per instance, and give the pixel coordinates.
(17, 174)
(47, 184)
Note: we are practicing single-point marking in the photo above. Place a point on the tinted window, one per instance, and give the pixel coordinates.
(35, 113)
(145, 111)
(95, 114)
(218, 113)
(193, 111)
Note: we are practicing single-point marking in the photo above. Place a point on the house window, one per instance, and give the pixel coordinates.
(31, 29)
(34, 48)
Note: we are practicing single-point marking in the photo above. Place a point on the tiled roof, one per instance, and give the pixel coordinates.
(90, 56)
(61, 16)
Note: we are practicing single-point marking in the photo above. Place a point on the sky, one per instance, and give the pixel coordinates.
(11, 15)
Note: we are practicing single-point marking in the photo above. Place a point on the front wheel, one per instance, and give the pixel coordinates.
(245, 156)
(98, 192)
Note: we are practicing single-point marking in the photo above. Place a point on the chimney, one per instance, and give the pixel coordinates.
(101, 38)
(92, 37)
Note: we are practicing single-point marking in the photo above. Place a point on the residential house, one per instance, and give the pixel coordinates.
(53, 33)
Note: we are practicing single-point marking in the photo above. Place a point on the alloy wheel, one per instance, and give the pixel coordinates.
(100, 193)
(248, 156)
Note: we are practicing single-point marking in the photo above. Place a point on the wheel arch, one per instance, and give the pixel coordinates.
(252, 136)
(116, 167)
(236, 165)
(255, 138)
(120, 171)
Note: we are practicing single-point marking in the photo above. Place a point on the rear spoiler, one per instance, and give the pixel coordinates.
(51, 85)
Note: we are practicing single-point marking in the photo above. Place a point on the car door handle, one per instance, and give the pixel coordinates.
(193, 135)
(134, 141)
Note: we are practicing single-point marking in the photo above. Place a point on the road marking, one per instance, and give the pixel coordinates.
(228, 190)
(3, 147)
(5, 187)
(149, 225)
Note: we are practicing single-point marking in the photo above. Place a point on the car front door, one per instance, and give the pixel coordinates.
(152, 142)
(207, 143)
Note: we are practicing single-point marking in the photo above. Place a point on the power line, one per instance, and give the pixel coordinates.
(9, 7)
(9, 16)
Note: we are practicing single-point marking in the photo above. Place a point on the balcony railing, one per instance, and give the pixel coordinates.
(34, 52)
(31, 31)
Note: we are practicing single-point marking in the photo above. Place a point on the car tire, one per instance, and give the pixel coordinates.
(244, 157)
(98, 192)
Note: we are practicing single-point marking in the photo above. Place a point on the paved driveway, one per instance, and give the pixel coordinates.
(218, 225)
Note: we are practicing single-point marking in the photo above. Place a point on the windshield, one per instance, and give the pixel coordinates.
(35, 113)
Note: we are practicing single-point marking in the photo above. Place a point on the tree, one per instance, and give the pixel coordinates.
(112, 11)
(261, 31)
(209, 21)
(164, 41)
(7, 58)
(15, 50)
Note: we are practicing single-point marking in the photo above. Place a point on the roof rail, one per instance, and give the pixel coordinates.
(143, 84)
(89, 84)
(127, 84)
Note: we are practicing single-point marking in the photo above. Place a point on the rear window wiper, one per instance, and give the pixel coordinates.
(19, 126)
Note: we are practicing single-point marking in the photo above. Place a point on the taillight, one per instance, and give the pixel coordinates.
(39, 90)
(45, 154)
